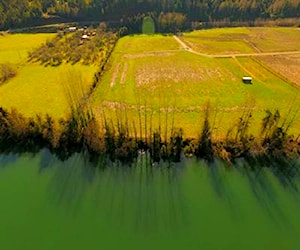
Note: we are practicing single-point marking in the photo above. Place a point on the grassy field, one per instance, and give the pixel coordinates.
(151, 82)
(37, 89)
(143, 44)
(174, 85)
(288, 66)
(243, 40)
(15, 48)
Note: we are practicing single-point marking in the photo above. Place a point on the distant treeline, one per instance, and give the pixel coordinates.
(83, 132)
(16, 13)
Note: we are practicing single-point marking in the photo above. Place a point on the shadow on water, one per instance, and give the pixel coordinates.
(263, 178)
(142, 194)
(47, 160)
(7, 159)
(260, 176)
(148, 196)
(264, 192)
(219, 175)
(70, 181)
(287, 171)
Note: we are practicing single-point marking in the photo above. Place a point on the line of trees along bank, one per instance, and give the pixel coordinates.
(15, 13)
(81, 132)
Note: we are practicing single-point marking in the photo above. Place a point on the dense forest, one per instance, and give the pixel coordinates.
(14, 13)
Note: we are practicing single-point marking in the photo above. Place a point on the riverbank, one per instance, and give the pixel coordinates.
(82, 132)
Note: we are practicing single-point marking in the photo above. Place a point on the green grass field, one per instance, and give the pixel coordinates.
(151, 73)
(140, 44)
(243, 40)
(287, 66)
(15, 48)
(37, 89)
(151, 82)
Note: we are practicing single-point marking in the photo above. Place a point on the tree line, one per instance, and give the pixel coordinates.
(82, 132)
(14, 13)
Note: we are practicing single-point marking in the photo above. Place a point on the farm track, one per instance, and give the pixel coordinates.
(187, 48)
(242, 67)
(150, 54)
(192, 109)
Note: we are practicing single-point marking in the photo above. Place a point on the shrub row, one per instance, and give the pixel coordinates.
(72, 48)
(81, 131)
(7, 71)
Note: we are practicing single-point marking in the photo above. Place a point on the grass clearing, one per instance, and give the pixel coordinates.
(137, 44)
(243, 40)
(41, 90)
(286, 65)
(152, 83)
(37, 89)
(14, 48)
(179, 84)
(218, 46)
(276, 39)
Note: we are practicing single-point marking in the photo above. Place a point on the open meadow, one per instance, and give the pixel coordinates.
(173, 84)
(243, 40)
(165, 82)
(288, 66)
(37, 89)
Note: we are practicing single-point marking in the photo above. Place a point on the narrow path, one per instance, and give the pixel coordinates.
(115, 105)
(242, 67)
(258, 54)
(189, 49)
(252, 45)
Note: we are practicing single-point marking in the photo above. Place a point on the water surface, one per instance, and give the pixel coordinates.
(50, 204)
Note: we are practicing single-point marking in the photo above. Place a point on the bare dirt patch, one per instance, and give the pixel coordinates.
(124, 73)
(190, 109)
(150, 54)
(286, 65)
(115, 75)
(160, 72)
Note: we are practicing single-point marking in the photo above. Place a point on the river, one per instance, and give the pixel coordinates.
(49, 204)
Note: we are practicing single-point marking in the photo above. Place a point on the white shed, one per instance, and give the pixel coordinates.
(72, 29)
(85, 37)
(247, 79)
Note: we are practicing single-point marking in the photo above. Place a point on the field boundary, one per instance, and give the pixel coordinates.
(242, 67)
(268, 68)
(187, 48)
(115, 105)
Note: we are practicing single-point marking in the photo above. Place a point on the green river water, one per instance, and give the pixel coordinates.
(49, 204)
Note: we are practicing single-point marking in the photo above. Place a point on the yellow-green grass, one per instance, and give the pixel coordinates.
(44, 90)
(288, 66)
(243, 40)
(15, 48)
(146, 43)
(276, 39)
(37, 89)
(183, 83)
(219, 46)
(149, 72)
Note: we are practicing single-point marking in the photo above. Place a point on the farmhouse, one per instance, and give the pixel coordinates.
(85, 37)
(72, 29)
(247, 79)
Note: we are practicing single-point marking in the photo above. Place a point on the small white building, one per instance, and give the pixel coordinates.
(72, 29)
(85, 37)
(247, 79)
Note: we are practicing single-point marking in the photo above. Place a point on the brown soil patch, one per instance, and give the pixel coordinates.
(115, 75)
(286, 65)
(150, 54)
(124, 73)
(192, 109)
